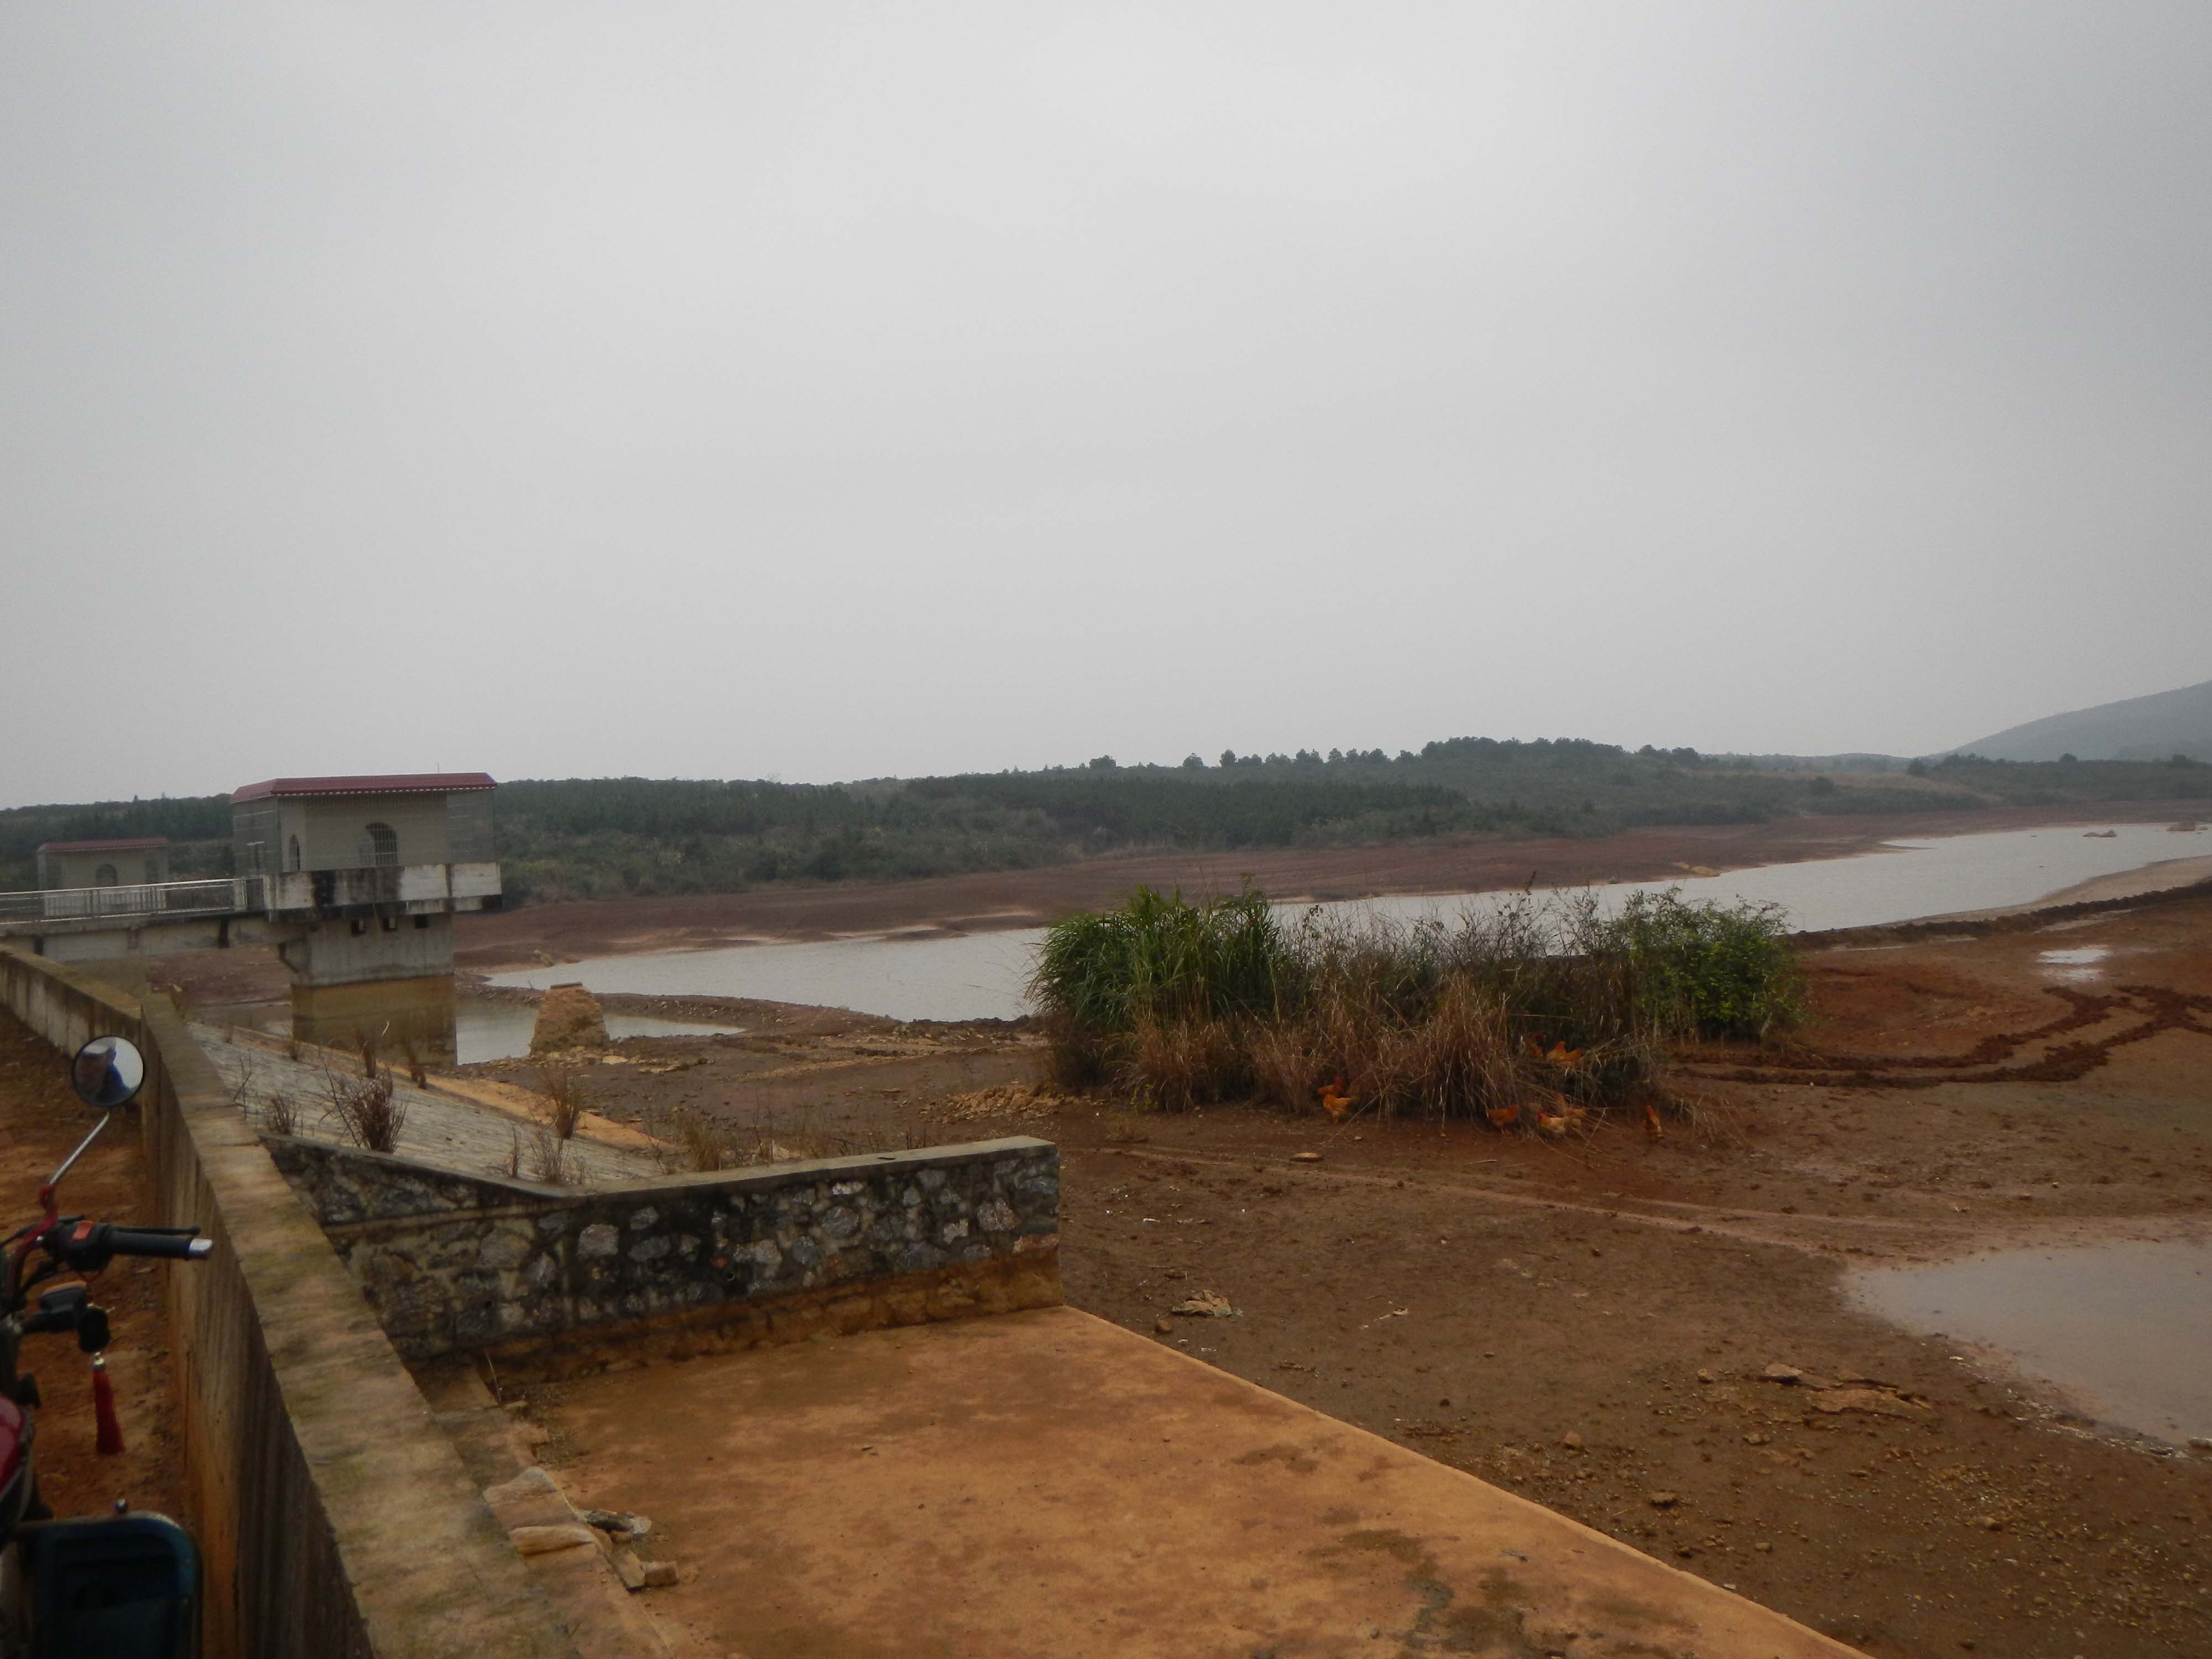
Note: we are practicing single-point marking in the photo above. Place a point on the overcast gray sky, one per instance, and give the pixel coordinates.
(823, 391)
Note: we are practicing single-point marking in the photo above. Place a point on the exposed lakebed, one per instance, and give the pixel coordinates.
(982, 975)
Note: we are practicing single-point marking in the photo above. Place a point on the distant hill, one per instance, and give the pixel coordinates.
(2155, 727)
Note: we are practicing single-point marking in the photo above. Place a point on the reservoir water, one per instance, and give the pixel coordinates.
(483, 1029)
(982, 975)
(2123, 1329)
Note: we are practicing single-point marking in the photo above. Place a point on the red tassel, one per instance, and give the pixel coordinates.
(108, 1441)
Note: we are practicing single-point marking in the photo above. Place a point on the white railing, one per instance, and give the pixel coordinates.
(293, 892)
(217, 895)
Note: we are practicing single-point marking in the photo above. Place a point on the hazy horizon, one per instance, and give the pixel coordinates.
(830, 393)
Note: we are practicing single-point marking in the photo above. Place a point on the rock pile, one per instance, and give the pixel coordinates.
(568, 1017)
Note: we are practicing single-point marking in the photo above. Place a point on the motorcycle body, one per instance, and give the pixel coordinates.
(119, 1586)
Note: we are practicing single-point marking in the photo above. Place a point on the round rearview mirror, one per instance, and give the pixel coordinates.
(107, 1072)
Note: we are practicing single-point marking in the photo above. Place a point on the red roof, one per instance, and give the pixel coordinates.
(396, 783)
(129, 844)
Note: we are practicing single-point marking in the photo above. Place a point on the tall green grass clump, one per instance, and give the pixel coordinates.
(1532, 1012)
(1153, 990)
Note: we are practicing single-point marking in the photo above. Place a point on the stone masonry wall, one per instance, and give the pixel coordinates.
(455, 1263)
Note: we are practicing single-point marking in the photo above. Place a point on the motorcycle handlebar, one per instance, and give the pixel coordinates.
(140, 1240)
(88, 1246)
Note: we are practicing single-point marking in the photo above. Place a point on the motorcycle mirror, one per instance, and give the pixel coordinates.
(108, 1073)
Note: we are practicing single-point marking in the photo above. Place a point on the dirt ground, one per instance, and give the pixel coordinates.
(1590, 1323)
(40, 1119)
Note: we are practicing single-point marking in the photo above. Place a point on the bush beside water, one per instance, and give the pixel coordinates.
(1533, 1013)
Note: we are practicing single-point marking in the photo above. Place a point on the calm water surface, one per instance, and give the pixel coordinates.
(483, 1030)
(2125, 1329)
(980, 975)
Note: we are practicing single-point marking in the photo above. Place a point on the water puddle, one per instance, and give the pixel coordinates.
(2082, 965)
(2123, 1330)
(983, 976)
(482, 1029)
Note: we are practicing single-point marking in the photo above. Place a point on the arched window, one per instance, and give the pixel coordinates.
(379, 848)
(103, 877)
(292, 854)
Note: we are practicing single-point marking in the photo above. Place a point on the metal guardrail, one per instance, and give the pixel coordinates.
(218, 896)
(312, 891)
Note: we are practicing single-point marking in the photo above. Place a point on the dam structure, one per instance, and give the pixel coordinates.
(354, 880)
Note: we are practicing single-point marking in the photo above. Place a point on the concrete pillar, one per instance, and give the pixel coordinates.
(389, 978)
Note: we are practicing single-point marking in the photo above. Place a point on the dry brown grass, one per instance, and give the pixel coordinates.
(695, 1142)
(280, 1114)
(1177, 1064)
(564, 1099)
(548, 1158)
(367, 1107)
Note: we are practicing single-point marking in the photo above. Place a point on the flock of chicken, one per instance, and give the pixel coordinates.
(1552, 1114)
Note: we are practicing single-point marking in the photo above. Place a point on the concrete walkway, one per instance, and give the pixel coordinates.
(1046, 1484)
(467, 1126)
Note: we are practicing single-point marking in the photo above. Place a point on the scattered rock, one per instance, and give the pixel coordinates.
(1571, 1441)
(1991, 1523)
(568, 1017)
(617, 1521)
(1791, 1376)
(1305, 1158)
(544, 1540)
(531, 1499)
(1206, 1304)
(2198, 1442)
(659, 1575)
(628, 1568)
(1706, 1377)
(1665, 1500)
(1162, 1326)
(1878, 1401)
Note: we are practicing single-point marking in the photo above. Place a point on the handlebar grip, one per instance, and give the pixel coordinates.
(136, 1241)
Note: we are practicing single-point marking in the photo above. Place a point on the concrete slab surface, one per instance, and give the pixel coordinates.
(1046, 1484)
(464, 1126)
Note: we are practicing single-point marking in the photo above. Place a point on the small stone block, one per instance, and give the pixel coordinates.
(659, 1575)
(630, 1568)
(544, 1540)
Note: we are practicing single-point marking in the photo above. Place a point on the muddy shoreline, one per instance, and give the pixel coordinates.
(1592, 1323)
(542, 935)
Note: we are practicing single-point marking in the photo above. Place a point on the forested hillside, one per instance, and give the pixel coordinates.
(580, 838)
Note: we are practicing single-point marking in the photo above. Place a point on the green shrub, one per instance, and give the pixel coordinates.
(1714, 970)
(1520, 1012)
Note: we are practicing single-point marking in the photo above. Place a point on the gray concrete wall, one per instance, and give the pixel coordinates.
(82, 869)
(100, 939)
(333, 1516)
(331, 952)
(459, 1263)
(329, 827)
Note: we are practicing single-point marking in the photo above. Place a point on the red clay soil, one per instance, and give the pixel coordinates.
(1591, 1324)
(40, 1119)
(1015, 898)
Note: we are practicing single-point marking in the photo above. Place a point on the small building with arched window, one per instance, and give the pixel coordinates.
(121, 862)
(361, 878)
